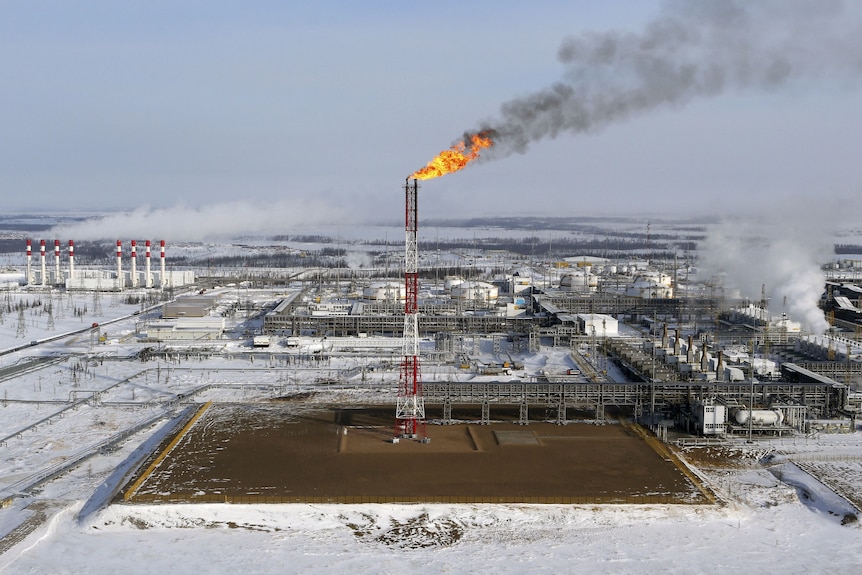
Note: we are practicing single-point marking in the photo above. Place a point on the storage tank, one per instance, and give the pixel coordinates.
(479, 291)
(579, 281)
(384, 291)
(649, 287)
(451, 281)
(759, 417)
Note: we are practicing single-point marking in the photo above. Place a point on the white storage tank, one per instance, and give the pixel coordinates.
(759, 417)
(649, 287)
(451, 281)
(384, 291)
(579, 281)
(475, 291)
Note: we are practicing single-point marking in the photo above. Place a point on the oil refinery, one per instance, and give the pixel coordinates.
(424, 353)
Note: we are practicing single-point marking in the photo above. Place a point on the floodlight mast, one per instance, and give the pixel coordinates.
(410, 404)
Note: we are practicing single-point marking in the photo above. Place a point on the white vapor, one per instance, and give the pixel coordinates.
(782, 248)
(183, 223)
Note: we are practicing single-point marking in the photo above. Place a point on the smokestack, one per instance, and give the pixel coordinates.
(148, 278)
(664, 336)
(704, 359)
(71, 259)
(162, 257)
(56, 261)
(676, 343)
(134, 264)
(719, 367)
(29, 262)
(119, 264)
(689, 353)
(42, 257)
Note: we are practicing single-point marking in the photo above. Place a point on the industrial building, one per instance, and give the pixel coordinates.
(686, 364)
(68, 276)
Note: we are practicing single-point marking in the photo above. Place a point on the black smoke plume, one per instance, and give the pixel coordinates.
(694, 49)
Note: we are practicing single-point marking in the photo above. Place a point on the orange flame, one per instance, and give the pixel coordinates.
(455, 158)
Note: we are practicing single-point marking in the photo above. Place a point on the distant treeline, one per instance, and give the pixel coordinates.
(305, 239)
(848, 249)
(326, 258)
(627, 248)
(86, 252)
(575, 223)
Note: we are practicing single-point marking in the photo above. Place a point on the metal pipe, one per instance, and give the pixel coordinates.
(148, 277)
(119, 264)
(134, 257)
(162, 258)
(56, 261)
(71, 259)
(42, 257)
(29, 262)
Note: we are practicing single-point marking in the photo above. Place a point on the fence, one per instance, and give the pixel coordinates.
(34, 480)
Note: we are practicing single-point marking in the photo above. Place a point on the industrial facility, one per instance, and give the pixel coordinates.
(643, 338)
(499, 339)
(124, 277)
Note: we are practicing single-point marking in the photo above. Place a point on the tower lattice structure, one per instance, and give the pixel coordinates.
(410, 404)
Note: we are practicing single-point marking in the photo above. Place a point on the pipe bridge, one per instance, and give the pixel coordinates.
(820, 399)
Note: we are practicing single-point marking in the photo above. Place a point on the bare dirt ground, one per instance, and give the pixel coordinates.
(273, 451)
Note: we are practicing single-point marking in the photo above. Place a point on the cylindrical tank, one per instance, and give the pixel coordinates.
(579, 281)
(384, 291)
(760, 417)
(451, 281)
(475, 291)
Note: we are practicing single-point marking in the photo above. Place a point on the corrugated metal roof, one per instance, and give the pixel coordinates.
(845, 303)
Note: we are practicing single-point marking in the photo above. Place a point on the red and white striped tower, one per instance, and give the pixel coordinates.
(119, 264)
(44, 266)
(162, 281)
(134, 264)
(71, 259)
(56, 261)
(410, 404)
(148, 278)
(29, 261)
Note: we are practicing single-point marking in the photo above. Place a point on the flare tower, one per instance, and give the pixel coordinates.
(410, 405)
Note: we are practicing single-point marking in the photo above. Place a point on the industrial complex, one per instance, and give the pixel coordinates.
(409, 365)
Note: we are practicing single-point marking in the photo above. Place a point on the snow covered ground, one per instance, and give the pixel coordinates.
(786, 504)
(780, 535)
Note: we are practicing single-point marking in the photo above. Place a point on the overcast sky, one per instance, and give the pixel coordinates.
(316, 108)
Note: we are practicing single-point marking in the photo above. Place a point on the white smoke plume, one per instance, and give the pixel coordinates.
(183, 223)
(781, 248)
(693, 49)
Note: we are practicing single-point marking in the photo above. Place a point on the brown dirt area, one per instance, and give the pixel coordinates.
(273, 451)
(719, 457)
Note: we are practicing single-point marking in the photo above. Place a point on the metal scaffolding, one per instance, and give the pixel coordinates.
(410, 405)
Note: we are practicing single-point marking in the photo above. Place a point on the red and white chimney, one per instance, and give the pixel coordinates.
(162, 257)
(29, 261)
(44, 266)
(71, 259)
(56, 261)
(148, 278)
(119, 264)
(134, 263)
